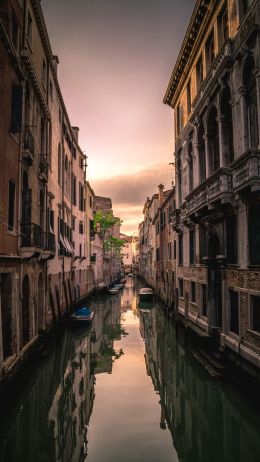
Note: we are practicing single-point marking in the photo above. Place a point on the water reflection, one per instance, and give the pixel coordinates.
(207, 420)
(127, 389)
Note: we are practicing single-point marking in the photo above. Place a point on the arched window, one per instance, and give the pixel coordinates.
(227, 126)
(202, 159)
(249, 82)
(59, 165)
(190, 161)
(179, 177)
(213, 139)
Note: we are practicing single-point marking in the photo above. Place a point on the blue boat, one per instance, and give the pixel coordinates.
(82, 315)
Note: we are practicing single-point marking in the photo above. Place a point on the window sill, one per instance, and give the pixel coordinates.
(254, 333)
(234, 335)
(11, 233)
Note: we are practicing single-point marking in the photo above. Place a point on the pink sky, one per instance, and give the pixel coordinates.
(116, 58)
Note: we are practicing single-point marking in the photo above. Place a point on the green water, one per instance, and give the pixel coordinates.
(127, 390)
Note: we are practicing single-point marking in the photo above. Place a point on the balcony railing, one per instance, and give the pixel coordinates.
(246, 171)
(175, 219)
(31, 235)
(217, 187)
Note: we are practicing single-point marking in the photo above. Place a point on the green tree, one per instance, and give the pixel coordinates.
(103, 222)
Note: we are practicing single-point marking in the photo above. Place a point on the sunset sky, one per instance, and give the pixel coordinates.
(116, 58)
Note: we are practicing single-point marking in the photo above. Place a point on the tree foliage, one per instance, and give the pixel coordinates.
(103, 222)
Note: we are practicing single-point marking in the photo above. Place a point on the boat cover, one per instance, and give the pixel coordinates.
(84, 311)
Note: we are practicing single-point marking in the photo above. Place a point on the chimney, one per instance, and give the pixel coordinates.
(55, 61)
(161, 188)
(76, 133)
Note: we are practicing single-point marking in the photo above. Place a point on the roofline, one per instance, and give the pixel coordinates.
(198, 15)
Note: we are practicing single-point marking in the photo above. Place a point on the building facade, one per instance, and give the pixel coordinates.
(214, 92)
(44, 257)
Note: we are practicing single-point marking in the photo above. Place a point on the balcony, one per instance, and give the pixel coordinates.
(28, 146)
(31, 239)
(246, 172)
(175, 220)
(215, 189)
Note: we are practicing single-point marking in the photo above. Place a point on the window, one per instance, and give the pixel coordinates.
(254, 234)
(15, 32)
(192, 247)
(246, 5)
(223, 25)
(180, 249)
(170, 250)
(255, 313)
(174, 250)
(44, 72)
(210, 51)
(233, 312)
(158, 254)
(59, 164)
(193, 291)
(29, 26)
(203, 247)
(51, 215)
(81, 228)
(81, 197)
(51, 90)
(179, 177)
(251, 115)
(181, 287)
(199, 73)
(190, 162)
(213, 138)
(231, 233)
(188, 97)
(204, 300)
(16, 108)
(80, 250)
(11, 205)
(228, 136)
(202, 156)
(74, 190)
(73, 223)
(179, 115)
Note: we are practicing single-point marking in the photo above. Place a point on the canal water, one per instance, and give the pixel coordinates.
(127, 390)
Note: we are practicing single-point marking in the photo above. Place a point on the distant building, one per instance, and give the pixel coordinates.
(127, 252)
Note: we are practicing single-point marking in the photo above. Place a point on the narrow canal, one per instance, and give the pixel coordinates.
(127, 390)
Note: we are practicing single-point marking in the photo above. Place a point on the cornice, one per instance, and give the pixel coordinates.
(197, 28)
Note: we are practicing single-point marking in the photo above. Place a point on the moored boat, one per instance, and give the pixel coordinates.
(82, 315)
(146, 294)
(113, 290)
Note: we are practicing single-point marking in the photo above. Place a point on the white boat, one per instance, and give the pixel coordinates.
(146, 294)
(113, 290)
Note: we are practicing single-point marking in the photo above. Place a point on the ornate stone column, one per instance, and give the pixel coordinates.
(220, 120)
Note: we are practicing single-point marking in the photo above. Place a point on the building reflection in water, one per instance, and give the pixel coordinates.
(206, 419)
(49, 421)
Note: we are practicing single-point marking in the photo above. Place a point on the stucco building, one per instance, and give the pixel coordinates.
(214, 92)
